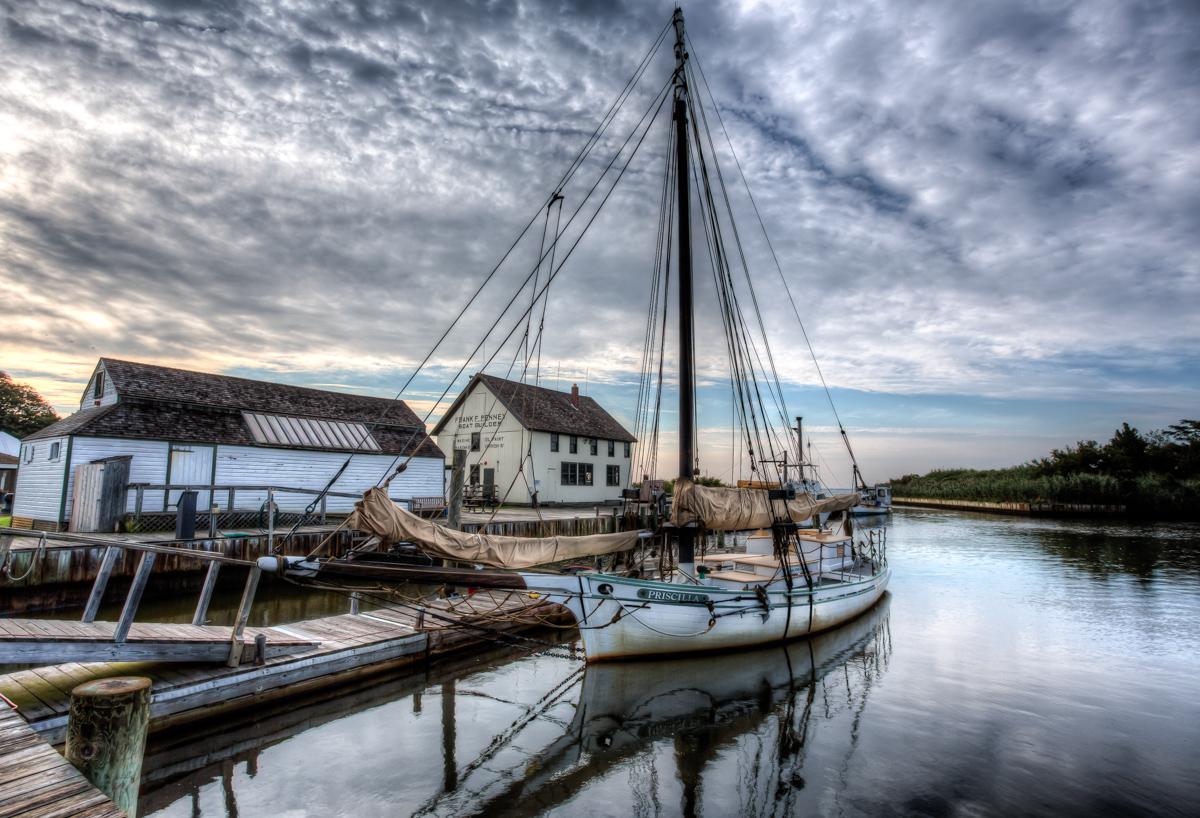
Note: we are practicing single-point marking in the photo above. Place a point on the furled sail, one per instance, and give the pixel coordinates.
(377, 514)
(726, 509)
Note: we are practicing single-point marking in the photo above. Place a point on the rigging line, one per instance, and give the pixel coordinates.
(731, 314)
(658, 100)
(526, 353)
(537, 372)
(644, 371)
(662, 277)
(779, 267)
(748, 340)
(577, 162)
(701, 107)
(750, 346)
(652, 452)
(661, 98)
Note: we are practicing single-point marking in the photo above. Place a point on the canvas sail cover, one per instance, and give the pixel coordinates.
(377, 514)
(726, 509)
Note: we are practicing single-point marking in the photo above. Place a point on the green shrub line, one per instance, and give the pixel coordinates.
(1148, 474)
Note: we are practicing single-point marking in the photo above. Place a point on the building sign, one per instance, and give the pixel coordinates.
(480, 421)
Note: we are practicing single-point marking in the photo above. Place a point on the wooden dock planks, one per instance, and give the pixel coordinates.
(329, 650)
(36, 781)
(34, 641)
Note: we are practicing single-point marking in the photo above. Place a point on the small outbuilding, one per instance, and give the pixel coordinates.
(178, 427)
(521, 438)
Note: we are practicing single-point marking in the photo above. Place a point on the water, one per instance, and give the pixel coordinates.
(1017, 667)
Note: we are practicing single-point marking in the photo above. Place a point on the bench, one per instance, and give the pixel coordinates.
(431, 506)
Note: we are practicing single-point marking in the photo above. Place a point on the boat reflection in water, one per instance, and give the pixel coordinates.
(763, 703)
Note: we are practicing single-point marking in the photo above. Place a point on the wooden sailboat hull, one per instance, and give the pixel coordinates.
(622, 618)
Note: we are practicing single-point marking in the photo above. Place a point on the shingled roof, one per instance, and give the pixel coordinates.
(546, 410)
(161, 403)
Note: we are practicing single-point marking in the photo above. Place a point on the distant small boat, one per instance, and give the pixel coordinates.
(875, 502)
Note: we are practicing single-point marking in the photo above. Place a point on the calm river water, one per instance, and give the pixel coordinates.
(1017, 667)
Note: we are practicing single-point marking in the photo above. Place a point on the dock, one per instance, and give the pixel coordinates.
(36, 781)
(321, 652)
(51, 641)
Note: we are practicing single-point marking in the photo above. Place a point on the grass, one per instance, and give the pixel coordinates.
(5, 522)
(1149, 493)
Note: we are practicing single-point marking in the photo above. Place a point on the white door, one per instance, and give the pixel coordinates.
(192, 466)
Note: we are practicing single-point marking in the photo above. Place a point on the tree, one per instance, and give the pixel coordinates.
(22, 410)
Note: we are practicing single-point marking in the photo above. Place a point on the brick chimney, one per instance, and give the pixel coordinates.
(575, 395)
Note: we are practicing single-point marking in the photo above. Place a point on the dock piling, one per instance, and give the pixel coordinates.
(106, 735)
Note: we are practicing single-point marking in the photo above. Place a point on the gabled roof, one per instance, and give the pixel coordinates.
(161, 403)
(162, 383)
(7, 460)
(545, 410)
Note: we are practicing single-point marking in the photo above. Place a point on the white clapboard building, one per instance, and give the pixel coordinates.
(580, 453)
(180, 427)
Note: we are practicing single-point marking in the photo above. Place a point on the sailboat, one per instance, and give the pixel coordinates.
(796, 578)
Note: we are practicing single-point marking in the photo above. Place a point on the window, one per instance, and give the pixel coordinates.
(612, 448)
(573, 445)
(55, 448)
(474, 441)
(98, 389)
(613, 476)
(554, 442)
(29, 453)
(475, 475)
(627, 450)
(575, 474)
(593, 446)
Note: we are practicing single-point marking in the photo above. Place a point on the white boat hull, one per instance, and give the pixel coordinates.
(621, 618)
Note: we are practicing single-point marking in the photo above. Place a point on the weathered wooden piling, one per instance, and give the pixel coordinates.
(106, 735)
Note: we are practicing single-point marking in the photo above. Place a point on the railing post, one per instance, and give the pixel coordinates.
(324, 497)
(137, 508)
(354, 604)
(271, 519)
(229, 505)
(102, 574)
(206, 592)
(243, 615)
(134, 597)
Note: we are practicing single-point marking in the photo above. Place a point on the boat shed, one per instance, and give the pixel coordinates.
(180, 427)
(580, 453)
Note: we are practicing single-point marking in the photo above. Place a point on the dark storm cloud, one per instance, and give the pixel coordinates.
(992, 189)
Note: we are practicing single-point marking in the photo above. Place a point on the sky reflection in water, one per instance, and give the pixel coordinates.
(1018, 666)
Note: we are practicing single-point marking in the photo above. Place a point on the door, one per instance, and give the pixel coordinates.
(489, 482)
(191, 465)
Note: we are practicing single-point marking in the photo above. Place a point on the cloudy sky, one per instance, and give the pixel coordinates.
(989, 211)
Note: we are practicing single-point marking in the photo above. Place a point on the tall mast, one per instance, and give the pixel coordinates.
(687, 366)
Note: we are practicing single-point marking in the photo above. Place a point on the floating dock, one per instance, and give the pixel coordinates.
(312, 654)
